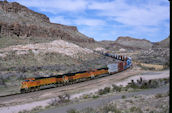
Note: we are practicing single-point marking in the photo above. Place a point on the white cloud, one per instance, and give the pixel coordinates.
(77, 21)
(138, 16)
(54, 6)
(134, 15)
(61, 20)
(89, 22)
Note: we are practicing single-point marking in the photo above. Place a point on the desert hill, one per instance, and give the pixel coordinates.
(141, 50)
(134, 43)
(163, 44)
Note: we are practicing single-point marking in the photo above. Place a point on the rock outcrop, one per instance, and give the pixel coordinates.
(19, 21)
(16, 8)
(133, 43)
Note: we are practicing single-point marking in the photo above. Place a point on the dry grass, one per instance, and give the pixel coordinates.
(151, 66)
(155, 66)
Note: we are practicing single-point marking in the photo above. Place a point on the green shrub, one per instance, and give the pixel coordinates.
(88, 110)
(116, 88)
(72, 111)
(100, 92)
(86, 96)
(123, 97)
(38, 108)
(107, 89)
(144, 86)
(158, 95)
(152, 112)
(95, 96)
(24, 111)
(132, 85)
(136, 110)
(110, 107)
(104, 91)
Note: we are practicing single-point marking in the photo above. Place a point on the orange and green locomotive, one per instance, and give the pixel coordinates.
(34, 84)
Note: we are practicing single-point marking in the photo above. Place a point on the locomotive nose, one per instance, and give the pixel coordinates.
(23, 85)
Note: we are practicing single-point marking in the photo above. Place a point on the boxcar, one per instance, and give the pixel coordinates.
(120, 66)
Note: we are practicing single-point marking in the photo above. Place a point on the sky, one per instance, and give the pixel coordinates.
(108, 19)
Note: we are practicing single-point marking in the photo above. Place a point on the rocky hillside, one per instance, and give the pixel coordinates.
(141, 50)
(158, 54)
(153, 56)
(129, 43)
(134, 43)
(163, 44)
(124, 44)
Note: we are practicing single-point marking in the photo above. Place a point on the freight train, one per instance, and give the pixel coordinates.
(36, 83)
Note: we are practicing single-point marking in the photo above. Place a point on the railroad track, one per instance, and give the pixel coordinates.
(59, 86)
(68, 89)
(49, 87)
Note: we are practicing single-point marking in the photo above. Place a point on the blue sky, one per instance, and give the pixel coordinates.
(108, 19)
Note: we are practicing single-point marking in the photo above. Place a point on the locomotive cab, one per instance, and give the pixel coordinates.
(25, 84)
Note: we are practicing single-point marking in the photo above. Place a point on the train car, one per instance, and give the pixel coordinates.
(122, 58)
(125, 59)
(33, 84)
(81, 75)
(115, 56)
(119, 57)
(106, 54)
(120, 66)
(25, 85)
(125, 65)
(129, 63)
(68, 77)
(101, 71)
(45, 80)
(112, 68)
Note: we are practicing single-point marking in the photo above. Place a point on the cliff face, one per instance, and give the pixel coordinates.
(19, 21)
(134, 43)
(16, 8)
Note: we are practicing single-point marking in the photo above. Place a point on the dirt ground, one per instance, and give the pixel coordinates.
(70, 89)
(75, 90)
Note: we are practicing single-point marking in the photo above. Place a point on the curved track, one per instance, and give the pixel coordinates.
(118, 57)
(70, 89)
